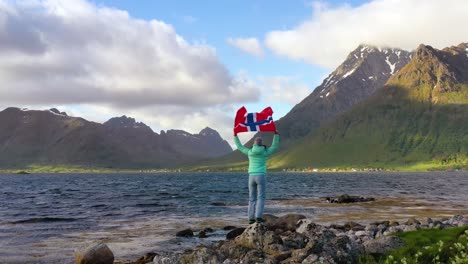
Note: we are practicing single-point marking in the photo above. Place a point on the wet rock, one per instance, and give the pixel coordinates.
(202, 234)
(383, 245)
(338, 227)
(185, 233)
(228, 228)
(287, 222)
(345, 198)
(97, 253)
(235, 233)
(208, 230)
(218, 204)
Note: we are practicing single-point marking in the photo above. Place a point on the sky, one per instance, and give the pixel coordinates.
(191, 64)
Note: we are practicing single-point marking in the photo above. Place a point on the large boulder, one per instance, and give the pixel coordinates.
(383, 245)
(98, 253)
(185, 233)
(235, 233)
(287, 222)
(257, 236)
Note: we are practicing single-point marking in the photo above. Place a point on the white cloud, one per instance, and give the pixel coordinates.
(332, 32)
(73, 52)
(283, 89)
(249, 45)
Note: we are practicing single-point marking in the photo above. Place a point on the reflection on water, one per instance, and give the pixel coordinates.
(44, 217)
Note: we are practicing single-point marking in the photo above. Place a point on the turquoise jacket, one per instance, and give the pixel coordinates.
(258, 155)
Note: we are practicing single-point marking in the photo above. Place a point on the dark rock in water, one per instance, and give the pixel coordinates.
(208, 230)
(349, 199)
(229, 228)
(287, 222)
(383, 245)
(235, 233)
(185, 233)
(95, 254)
(202, 234)
(218, 204)
(147, 258)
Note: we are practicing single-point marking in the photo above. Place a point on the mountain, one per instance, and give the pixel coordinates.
(418, 118)
(364, 71)
(52, 137)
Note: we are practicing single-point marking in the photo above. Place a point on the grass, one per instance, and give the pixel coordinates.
(428, 246)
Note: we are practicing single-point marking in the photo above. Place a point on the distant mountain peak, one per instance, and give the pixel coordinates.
(207, 131)
(125, 122)
(57, 112)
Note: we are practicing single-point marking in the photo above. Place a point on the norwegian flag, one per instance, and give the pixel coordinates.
(246, 122)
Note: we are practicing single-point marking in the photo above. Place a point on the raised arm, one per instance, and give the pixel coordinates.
(274, 145)
(239, 145)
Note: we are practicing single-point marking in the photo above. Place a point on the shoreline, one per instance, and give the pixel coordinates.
(293, 238)
(154, 171)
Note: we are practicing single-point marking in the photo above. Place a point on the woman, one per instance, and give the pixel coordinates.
(258, 156)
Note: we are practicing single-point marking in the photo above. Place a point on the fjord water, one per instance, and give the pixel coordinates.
(44, 217)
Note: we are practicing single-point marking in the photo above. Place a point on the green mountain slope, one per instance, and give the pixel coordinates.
(419, 118)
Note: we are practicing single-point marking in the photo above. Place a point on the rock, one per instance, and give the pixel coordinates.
(228, 228)
(218, 204)
(257, 236)
(174, 259)
(202, 234)
(185, 233)
(342, 250)
(345, 198)
(312, 258)
(383, 245)
(364, 233)
(393, 223)
(412, 221)
(354, 226)
(295, 240)
(95, 254)
(305, 225)
(409, 228)
(429, 221)
(338, 227)
(235, 233)
(269, 219)
(208, 230)
(200, 255)
(147, 258)
(287, 222)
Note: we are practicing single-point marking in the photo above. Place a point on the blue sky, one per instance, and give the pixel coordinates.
(191, 64)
